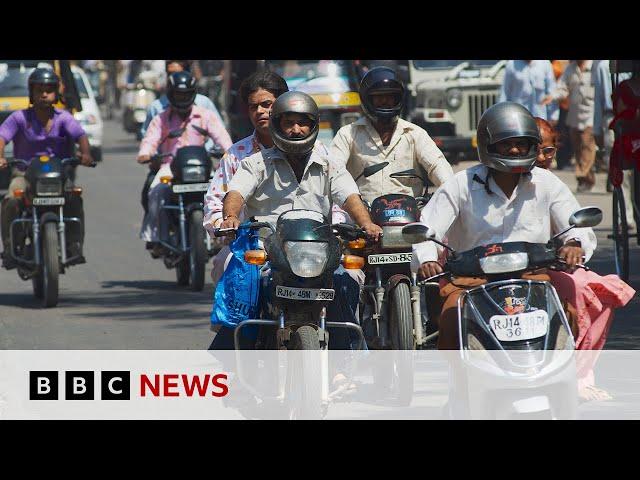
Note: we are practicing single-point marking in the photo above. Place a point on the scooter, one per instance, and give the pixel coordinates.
(138, 98)
(516, 357)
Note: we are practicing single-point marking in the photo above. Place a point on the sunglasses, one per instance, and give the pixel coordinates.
(548, 152)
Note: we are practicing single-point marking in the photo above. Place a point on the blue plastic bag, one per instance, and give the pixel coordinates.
(236, 297)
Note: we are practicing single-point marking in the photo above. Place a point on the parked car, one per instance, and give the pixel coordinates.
(89, 117)
(449, 96)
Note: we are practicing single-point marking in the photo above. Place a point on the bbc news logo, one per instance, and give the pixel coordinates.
(116, 385)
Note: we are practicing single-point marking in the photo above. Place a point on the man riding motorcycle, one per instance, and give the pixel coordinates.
(42, 130)
(259, 91)
(182, 114)
(503, 199)
(381, 135)
(295, 175)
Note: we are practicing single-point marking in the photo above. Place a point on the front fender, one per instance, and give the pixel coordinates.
(395, 280)
(49, 217)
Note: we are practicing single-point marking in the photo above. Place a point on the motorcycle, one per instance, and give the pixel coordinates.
(138, 98)
(516, 346)
(303, 252)
(42, 256)
(391, 290)
(188, 246)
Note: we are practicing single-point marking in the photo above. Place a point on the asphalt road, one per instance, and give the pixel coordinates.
(122, 299)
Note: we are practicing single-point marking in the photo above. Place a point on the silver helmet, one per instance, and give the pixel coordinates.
(502, 121)
(294, 102)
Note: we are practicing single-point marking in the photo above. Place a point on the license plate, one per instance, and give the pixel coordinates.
(523, 326)
(48, 201)
(190, 187)
(389, 258)
(292, 293)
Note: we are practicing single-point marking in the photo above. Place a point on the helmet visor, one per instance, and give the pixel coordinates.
(510, 127)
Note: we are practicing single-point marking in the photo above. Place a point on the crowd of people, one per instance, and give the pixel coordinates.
(511, 195)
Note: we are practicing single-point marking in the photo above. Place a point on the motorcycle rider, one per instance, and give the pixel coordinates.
(381, 135)
(503, 199)
(160, 105)
(39, 130)
(294, 174)
(182, 113)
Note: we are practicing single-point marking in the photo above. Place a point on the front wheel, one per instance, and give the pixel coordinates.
(305, 379)
(50, 265)
(198, 254)
(401, 318)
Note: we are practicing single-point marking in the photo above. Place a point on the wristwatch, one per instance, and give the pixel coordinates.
(575, 239)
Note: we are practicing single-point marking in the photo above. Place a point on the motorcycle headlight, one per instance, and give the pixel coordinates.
(503, 263)
(193, 174)
(454, 98)
(49, 187)
(139, 116)
(392, 238)
(307, 259)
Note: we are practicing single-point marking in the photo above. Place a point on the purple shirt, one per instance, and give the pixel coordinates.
(30, 138)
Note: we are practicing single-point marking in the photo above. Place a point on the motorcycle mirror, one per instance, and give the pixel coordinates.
(201, 131)
(411, 173)
(372, 170)
(176, 133)
(418, 232)
(586, 217)
(415, 233)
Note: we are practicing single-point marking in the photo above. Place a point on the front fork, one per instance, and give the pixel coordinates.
(416, 291)
(183, 224)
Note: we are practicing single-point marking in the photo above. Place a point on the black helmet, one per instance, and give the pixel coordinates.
(381, 79)
(43, 76)
(502, 121)
(294, 102)
(181, 90)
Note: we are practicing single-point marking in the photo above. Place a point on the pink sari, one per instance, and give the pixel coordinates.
(594, 298)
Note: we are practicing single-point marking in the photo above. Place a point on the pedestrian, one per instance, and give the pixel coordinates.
(527, 82)
(575, 84)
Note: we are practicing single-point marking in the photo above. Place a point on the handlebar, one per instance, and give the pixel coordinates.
(157, 157)
(71, 161)
(223, 232)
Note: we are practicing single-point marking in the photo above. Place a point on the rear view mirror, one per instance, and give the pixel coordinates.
(201, 131)
(411, 173)
(586, 217)
(372, 170)
(415, 233)
(176, 133)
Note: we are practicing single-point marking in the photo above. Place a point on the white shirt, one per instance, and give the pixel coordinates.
(269, 186)
(463, 211)
(358, 145)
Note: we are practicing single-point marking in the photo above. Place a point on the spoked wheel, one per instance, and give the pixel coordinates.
(45, 283)
(304, 389)
(620, 234)
(396, 370)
